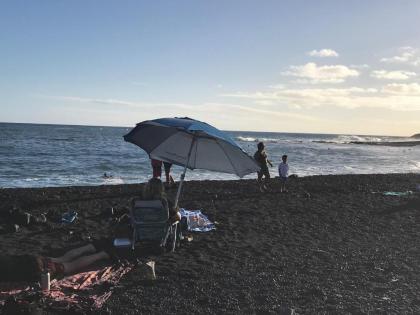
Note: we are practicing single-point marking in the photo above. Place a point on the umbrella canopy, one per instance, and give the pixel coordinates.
(192, 144)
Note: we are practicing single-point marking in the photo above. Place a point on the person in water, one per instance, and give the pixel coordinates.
(261, 157)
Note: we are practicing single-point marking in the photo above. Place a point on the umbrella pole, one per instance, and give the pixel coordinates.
(178, 193)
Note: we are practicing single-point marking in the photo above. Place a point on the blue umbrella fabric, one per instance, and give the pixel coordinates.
(192, 144)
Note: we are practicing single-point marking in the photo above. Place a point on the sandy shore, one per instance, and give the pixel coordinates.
(333, 244)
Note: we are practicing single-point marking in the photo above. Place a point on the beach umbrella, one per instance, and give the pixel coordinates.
(192, 144)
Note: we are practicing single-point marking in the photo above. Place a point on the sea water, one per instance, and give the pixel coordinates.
(33, 155)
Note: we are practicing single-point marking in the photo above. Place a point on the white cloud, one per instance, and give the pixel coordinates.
(409, 89)
(400, 97)
(113, 104)
(105, 101)
(311, 73)
(323, 53)
(407, 55)
(223, 115)
(361, 66)
(392, 75)
(277, 86)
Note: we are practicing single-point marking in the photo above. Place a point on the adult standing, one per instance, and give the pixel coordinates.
(157, 168)
(261, 157)
(169, 179)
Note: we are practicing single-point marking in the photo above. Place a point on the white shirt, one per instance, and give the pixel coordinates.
(283, 169)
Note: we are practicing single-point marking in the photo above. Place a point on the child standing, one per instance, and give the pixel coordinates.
(283, 173)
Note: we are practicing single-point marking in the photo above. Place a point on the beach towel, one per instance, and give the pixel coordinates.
(68, 217)
(397, 193)
(86, 290)
(83, 291)
(8, 289)
(197, 221)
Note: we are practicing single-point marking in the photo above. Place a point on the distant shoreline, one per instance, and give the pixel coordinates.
(390, 144)
(244, 181)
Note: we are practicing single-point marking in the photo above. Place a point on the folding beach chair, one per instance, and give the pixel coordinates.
(149, 220)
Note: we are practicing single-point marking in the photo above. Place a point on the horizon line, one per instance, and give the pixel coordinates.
(287, 132)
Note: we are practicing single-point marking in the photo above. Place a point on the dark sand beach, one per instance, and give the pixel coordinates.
(332, 245)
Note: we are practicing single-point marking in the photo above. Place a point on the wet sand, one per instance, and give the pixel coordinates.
(332, 244)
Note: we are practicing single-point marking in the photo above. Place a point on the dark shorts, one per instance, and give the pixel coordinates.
(283, 179)
(157, 171)
(167, 167)
(264, 172)
(157, 168)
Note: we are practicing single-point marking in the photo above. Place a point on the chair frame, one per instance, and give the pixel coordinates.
(171, 230)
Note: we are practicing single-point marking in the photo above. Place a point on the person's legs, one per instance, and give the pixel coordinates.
(74, 253)
(157, 171)
(260, 175)
(157, 168)
(283, 184)
(83, 262)
(266, 174)
(167, 166)
(167, 176)
(259, 180)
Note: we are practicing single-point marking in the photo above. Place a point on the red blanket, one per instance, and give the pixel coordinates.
(86, 290)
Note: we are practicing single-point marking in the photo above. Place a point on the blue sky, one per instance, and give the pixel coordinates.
(293, 66)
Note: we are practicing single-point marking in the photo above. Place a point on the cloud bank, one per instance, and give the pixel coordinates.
(312, 73)
(394, 96)
(326, 52)
(392, 75)
(407, 55)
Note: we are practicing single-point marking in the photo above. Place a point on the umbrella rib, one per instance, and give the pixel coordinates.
(227, 155)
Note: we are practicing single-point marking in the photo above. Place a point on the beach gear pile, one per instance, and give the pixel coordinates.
(68, 217)
(196, 221)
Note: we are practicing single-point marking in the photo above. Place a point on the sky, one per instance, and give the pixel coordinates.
(348, 67)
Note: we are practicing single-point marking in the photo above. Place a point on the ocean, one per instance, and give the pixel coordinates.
(34, 155)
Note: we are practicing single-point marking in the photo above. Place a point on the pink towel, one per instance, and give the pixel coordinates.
(86, 290)
(8, 289)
